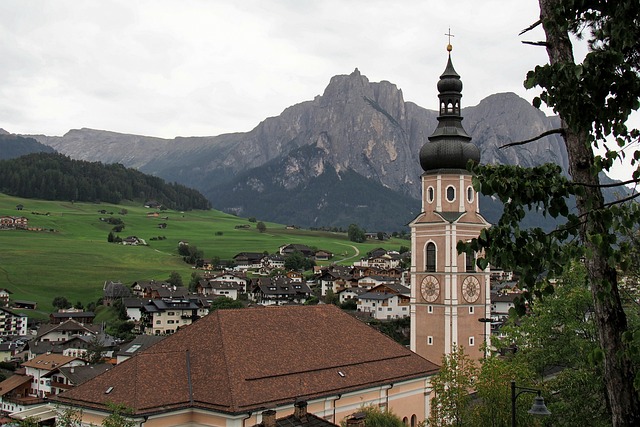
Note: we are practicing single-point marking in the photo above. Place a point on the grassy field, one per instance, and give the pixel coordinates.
(75, 258)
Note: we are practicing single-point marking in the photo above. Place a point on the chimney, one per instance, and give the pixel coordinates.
(300, 410)
(356, 420)
(269, 418)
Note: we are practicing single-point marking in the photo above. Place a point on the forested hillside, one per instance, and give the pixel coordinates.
(12, 146)
(52, 176)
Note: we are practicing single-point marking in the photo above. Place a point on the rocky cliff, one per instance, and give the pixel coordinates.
(349, 155)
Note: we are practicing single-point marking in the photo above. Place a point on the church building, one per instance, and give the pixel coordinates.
(450, 296)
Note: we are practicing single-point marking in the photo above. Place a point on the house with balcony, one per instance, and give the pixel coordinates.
(12, 323)
(166, 316)
(385, 302)
(278, 290)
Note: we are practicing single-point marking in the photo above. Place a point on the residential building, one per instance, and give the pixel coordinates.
(450, 294)
(166, 316)
(225, 369)
(42, 368)
(114, 291)
(84, 317)
(139, 343)
(4, 297)
(12, 323)
(386, 302)
(278, 290)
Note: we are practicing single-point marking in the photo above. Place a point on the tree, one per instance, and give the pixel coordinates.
(331, 298)
(593, 100)
(175, 279)
(223, 303)
(68, 417)
(195, 279)
(61, 303)
(95, 351)
(356, 234)
(376, 417)
(450, 404)
(558, 331)
(119, 417)
(261, 227)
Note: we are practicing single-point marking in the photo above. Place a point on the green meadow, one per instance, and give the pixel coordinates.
(72, 258)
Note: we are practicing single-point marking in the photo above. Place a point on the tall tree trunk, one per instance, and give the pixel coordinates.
(610, 319)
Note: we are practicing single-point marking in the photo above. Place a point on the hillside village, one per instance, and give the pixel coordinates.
(69, 349)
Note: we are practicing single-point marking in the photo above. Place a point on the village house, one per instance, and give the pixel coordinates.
(347, 294)
(12, 324)
(4, 297)
(225, 373)
(113, 291)
(166, 316)
(385, 302)
(286, 250)
(218, 288)
(14, 222)
(248, 260)
(84, 317)
(278, 290)
(63, 331)
(42, 368)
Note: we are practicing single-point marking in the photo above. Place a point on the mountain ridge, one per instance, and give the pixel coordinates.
(354, 127)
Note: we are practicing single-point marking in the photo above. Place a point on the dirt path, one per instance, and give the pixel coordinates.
(353, 256)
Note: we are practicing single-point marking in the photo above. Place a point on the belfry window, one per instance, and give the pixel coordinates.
(431, 257)
(451, 193)
(430, 194)
(470, 261)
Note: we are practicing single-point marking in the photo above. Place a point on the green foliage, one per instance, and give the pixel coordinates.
(175, 279)
(120, 416)
(53, 176)
(75, 260)
(261, 227)
(331, 297)
(61, 303)
(350, 304)
(30, 422)
(121, 329)
(356, 234)
(223, 303)
(68, 417)
(195, 279)
(376, 417)
(95, 351)
(450, 405)
(296, 261)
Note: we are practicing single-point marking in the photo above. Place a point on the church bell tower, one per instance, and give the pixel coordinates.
(450, 298)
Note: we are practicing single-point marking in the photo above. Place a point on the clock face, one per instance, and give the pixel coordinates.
(471, 289)
(430, 289)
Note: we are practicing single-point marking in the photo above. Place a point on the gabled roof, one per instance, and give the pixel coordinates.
(242, 360)
(13, 382)
(139, 343)
(68, 326)
(80, 374)
(48, 361)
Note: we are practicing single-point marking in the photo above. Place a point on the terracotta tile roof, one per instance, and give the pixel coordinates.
(13, 382)
(239, 360)
(48, 361)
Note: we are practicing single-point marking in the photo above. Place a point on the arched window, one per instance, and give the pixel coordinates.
(451, 193)
(414, 420)
(431, 257)
(470, 194)
(470, 261)
(430, 194)
(405, 421)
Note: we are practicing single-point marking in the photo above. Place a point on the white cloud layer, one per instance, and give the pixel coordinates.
(205, 67)
(198, 67)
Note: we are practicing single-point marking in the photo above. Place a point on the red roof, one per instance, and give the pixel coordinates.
(238, 360)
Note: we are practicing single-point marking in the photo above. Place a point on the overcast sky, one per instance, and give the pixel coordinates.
(171, 68)
(195, 67)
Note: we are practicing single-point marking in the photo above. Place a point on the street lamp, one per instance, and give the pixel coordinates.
(538, 408)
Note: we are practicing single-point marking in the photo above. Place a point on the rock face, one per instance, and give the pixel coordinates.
(325, 162)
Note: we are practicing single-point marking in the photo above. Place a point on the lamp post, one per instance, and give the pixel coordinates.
(538, 408)
(484, 321)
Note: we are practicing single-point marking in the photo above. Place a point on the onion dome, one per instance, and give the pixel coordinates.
(449, 147)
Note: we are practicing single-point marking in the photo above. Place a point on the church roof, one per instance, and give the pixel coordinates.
(235, 361)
